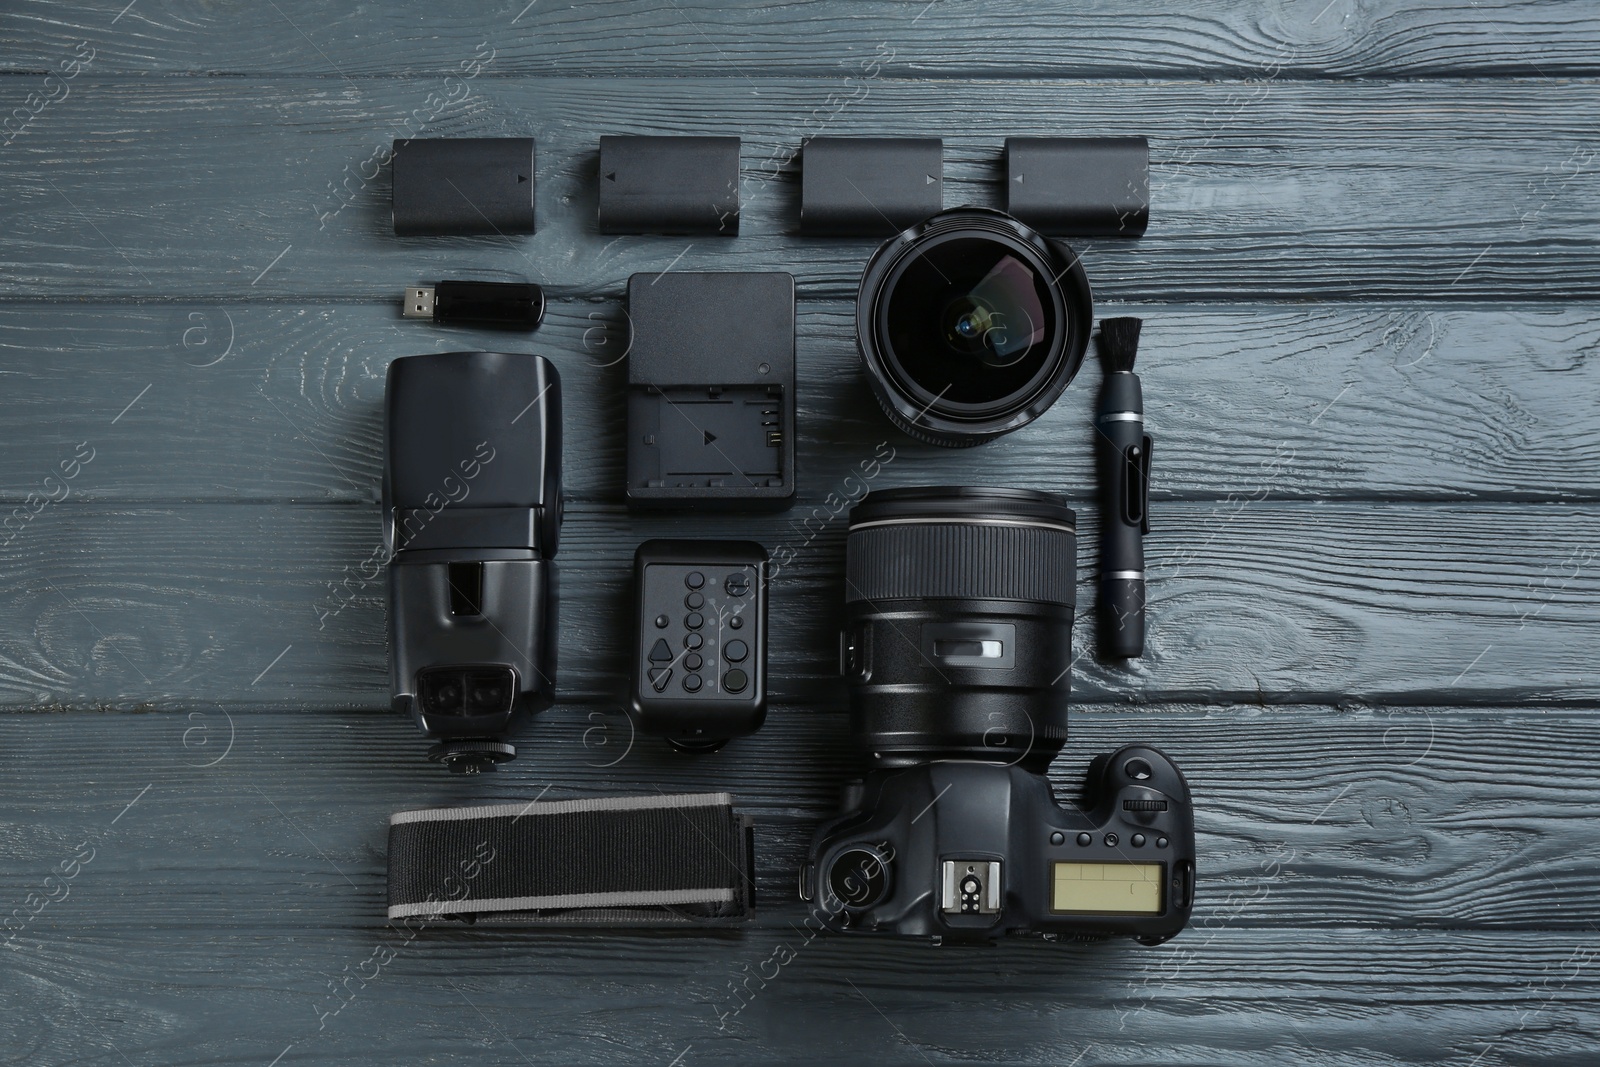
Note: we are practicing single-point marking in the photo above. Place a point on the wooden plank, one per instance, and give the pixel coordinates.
(1258, 998)
(1372, 817)
(1370, 191)
(251, 402)
(1256, 600)
(717, 38)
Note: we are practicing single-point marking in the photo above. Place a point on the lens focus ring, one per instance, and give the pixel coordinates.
(965, 559)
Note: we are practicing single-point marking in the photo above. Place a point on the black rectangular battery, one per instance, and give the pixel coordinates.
(869, 186)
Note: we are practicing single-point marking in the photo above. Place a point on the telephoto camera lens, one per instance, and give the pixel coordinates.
(958, 624)
(970, 326)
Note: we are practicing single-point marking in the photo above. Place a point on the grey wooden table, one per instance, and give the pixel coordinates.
(1372, 299)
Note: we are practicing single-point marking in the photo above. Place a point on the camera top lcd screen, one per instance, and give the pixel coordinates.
(1107, 888)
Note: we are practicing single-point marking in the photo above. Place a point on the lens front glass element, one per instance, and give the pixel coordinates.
(970, 322)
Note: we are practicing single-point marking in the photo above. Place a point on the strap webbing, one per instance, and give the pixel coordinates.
(606, 861)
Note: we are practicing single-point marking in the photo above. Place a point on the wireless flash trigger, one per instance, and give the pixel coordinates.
(700, 641)
(472, 515)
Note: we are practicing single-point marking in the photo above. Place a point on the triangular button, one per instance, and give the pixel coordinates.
(661, 652)
(659, 677)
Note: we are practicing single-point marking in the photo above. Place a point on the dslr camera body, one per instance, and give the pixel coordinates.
(957, 650)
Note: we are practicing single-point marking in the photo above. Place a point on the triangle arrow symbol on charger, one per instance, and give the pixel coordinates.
(710, 436)
(611, 177)
(1018, 178)
(931, 180)
(521, 178)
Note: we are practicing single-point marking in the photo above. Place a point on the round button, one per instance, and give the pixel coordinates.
(1057, 838)
(1111, 839)
(1137, 769)
(691, 682)
(661, 622)
(694, 579)
(737, 584)
(735, 681)
(737, 622)
(693, 662)
(694, 601)
(1161, 842)
(693, 641)
(694, 620)
(1085, 839)
(735, 651)
(1137, 840)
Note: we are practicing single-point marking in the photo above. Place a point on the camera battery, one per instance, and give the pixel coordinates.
(1079, 186)
(869, 186)
(669, 185)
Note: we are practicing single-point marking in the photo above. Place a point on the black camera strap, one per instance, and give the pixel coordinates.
(610, 861)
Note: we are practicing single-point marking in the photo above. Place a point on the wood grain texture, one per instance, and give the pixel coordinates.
(721, 38)
(257, 403)
(1260, 601)
(1258, 998)
(1361, 817)
(1376, 190)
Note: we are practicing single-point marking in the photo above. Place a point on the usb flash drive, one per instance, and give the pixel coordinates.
(509, 305)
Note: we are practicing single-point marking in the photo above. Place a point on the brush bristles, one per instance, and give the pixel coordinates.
(1119, 342)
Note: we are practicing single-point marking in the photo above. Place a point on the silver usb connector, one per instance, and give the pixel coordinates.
(418, 303)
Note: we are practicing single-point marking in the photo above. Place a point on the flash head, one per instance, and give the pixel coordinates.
(472, 516)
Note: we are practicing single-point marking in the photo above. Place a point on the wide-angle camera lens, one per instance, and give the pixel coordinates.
(970, 325)
(958, 624)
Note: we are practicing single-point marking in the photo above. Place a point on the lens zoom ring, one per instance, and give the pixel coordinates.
(967, 560)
